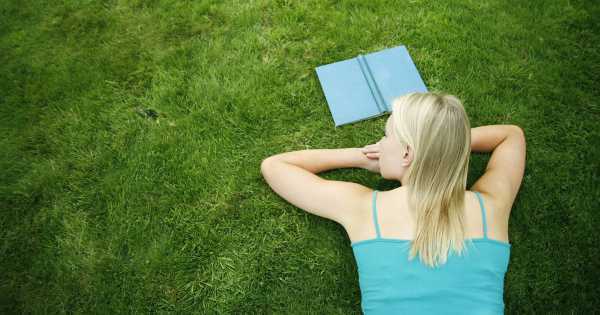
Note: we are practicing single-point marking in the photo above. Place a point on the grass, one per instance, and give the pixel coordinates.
(105, 211)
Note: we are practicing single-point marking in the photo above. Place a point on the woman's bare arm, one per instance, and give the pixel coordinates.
(504, 171)
(486, 138)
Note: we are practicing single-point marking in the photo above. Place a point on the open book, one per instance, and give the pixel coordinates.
(364, 87)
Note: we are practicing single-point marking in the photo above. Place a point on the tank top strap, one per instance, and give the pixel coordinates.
(483, 218)
(375, 214)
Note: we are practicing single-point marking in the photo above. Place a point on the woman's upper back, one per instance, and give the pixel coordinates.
(471, 283)
(395, 220)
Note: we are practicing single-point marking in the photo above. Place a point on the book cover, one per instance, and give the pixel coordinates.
(364, 87)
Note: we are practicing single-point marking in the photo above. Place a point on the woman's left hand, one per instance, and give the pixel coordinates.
(371, 153)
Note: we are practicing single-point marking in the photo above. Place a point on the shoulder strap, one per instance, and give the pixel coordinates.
(375, 214)
(482, 214)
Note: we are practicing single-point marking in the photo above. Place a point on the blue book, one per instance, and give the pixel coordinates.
(364, 87)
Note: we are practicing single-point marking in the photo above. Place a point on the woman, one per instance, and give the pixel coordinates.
(460, 236)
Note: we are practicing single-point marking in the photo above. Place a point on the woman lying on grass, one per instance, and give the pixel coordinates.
(460, 236)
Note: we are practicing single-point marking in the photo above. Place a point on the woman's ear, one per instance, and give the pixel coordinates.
(407, 156)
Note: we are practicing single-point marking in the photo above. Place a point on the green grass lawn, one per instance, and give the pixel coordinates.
(105, 211)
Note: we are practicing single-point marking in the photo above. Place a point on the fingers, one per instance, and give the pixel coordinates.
(371, 148)
(373, 155)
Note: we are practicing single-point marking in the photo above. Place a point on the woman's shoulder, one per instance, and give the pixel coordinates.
(496, 217)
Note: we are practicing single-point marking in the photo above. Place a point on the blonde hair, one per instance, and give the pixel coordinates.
(437, 129)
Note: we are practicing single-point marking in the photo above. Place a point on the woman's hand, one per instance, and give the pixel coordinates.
(371, 152)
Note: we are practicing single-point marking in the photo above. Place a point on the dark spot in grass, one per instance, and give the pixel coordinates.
(147, 113)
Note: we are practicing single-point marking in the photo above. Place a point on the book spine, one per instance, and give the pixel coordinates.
(366, 70)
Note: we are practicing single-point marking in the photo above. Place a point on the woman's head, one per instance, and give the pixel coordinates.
(428, 130)
(427, 148)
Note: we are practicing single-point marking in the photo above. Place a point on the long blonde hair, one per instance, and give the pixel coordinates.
(437, 129)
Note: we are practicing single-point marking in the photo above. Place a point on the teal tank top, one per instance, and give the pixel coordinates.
(469, 284)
